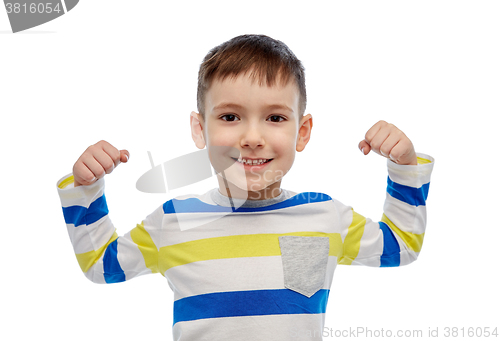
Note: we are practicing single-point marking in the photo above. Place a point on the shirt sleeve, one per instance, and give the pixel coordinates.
(397, 238)
(103, 256)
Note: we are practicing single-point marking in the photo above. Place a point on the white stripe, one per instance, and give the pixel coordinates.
(101, 232)
(130, 258)
(252, 328)
(407, 256)
(372, 243)
(91, 237)
(330, 271)
(344, 215)
(322, 217)
(406, 217)
(234, 274)
(80, 238)
(371, 261)
(404, 257)
(96, 273)
(154, 226)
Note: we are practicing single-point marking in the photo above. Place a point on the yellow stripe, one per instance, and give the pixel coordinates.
(352, 241)
(146, 245)
(414, 241)
(422, 161)
(252, 245)
(66, 182)
(87, 259)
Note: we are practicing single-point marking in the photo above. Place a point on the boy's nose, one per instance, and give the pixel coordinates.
(253, 137)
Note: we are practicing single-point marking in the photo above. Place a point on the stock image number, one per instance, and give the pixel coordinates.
(471, 332)
(32, 8)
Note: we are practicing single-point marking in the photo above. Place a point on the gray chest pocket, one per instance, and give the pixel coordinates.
(304, 263)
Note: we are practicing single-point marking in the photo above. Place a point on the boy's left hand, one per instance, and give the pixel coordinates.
(387, 140)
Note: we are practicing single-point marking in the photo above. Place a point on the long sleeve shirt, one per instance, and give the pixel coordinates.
(249, 270)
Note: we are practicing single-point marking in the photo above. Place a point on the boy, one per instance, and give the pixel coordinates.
(258, 262)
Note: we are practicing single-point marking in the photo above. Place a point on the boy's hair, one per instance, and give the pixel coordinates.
(269, 61)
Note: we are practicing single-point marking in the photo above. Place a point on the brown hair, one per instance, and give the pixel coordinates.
(268, 59)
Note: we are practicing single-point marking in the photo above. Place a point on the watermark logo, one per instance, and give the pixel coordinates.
(24, 15)
(189, 169)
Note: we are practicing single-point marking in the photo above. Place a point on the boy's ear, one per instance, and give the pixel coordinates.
(196, 122)
(305, 127)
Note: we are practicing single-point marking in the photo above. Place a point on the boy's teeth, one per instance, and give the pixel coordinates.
(252, 162)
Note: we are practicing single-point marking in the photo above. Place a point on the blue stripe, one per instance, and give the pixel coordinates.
(113, 272)
(391, 255)
(249, 303)
(194, 205)
(410, 195)
(79, 215)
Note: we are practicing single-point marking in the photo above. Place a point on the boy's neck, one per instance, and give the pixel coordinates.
(231, 191)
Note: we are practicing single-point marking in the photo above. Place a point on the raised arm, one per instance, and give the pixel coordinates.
(103, 256)
(398, 237)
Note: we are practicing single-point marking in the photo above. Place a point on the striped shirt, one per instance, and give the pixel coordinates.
(258, 270)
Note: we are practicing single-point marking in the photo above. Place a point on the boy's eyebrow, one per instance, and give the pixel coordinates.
(279, 106)
(227, 105)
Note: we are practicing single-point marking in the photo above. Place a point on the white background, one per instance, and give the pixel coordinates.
(126, 72)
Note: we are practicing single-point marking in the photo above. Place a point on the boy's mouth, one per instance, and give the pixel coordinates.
(252, 162)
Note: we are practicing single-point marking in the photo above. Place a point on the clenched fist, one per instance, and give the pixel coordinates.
(387, 140)
(98, 160)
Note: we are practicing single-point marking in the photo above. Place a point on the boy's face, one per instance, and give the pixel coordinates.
(254, 122)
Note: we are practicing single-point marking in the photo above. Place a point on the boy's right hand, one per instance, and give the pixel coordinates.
(98, 160)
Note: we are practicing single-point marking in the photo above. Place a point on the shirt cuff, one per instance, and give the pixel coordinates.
(410, 175)
(78, 196)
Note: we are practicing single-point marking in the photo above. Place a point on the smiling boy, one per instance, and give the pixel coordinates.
(263, 269)
(261, 122)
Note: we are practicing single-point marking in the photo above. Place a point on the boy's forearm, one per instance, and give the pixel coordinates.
(397, 238)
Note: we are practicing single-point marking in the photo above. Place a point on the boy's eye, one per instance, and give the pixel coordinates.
(229, 117)
(276, 118)
(232, 117)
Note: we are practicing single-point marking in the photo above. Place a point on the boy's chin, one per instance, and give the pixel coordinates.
(243, 189)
